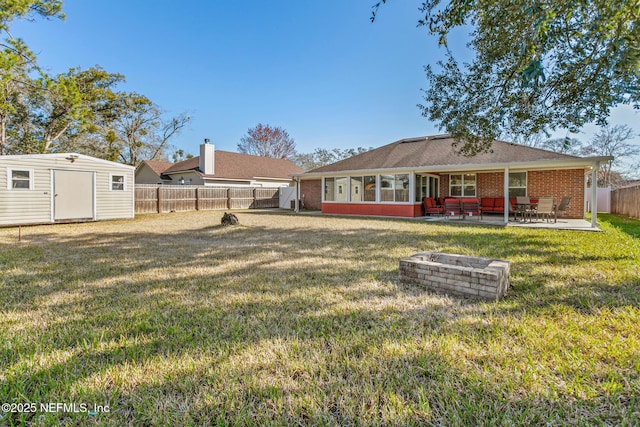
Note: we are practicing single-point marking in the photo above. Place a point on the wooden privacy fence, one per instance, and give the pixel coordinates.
(626, 201)
(151, 198)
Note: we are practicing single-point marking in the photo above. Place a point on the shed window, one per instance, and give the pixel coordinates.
(20, 179)
(117, 183)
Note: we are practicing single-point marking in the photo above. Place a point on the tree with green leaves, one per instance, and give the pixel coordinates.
(74, 111)
(14, 81)
(267, 141)
(538, 66)
(72, 103)
(17, 62)
(53, 112)
(13, 9)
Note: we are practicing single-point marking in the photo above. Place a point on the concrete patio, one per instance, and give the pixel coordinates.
(498, 220)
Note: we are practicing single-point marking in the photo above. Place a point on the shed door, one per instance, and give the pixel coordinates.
(72, 195)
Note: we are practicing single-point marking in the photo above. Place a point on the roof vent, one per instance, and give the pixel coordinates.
(409, 140)
(439, 137)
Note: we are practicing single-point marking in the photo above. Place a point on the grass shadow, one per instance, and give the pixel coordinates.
(288, 321)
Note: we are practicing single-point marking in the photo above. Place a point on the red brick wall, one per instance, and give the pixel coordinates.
(311, 193)
(552, 183)
(377, 209)
(490, 184)
(557, 184)
(444, 185)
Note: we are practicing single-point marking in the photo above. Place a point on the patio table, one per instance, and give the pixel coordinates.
(526, 210)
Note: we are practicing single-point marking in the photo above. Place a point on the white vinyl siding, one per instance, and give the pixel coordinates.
(36, 206)
(24, 206)
(113, 204)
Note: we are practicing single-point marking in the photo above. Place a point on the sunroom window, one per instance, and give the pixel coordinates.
(356, 188)
(329, 189)
(341, 189)
(369, 188)
(402, 188)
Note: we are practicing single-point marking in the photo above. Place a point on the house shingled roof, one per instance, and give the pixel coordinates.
(228, 165)
(436, 151)
(158, 167)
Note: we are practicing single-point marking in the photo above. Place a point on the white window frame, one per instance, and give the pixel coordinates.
(10, 179)
(462, 174)
(124, 181)
(324, 188)
(526, 182)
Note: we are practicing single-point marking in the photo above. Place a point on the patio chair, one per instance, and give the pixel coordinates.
(452, 207)
(430, 206)
(545, 208)
(564, 205)
(471, 207)
(513, 210)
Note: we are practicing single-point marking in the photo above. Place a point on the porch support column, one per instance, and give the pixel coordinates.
(585, 207)
(594, 194)
(412, 187)
(506, 195)
(297, 202)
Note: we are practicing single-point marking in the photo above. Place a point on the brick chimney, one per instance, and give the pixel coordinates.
(207, 157)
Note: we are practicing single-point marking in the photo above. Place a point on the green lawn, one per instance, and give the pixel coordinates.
(288, 320)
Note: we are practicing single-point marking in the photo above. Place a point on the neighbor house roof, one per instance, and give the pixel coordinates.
(158, 167)
(228, 165)
(438, 153)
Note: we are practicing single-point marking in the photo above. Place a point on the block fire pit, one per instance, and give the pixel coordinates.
(457, 274)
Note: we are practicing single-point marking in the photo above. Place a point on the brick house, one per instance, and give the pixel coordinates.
(393, 179)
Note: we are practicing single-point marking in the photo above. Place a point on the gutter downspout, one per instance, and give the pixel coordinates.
(506, 196)
(594, 194)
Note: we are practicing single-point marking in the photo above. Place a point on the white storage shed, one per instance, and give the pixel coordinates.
(65, 187)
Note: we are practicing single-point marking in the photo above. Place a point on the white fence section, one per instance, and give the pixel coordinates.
(604, 199)
(287, 196)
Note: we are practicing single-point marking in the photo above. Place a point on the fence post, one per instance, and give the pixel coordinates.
(159, 199)
(228, 198)
(197, 198)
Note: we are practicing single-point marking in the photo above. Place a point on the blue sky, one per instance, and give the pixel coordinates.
(321, 69)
